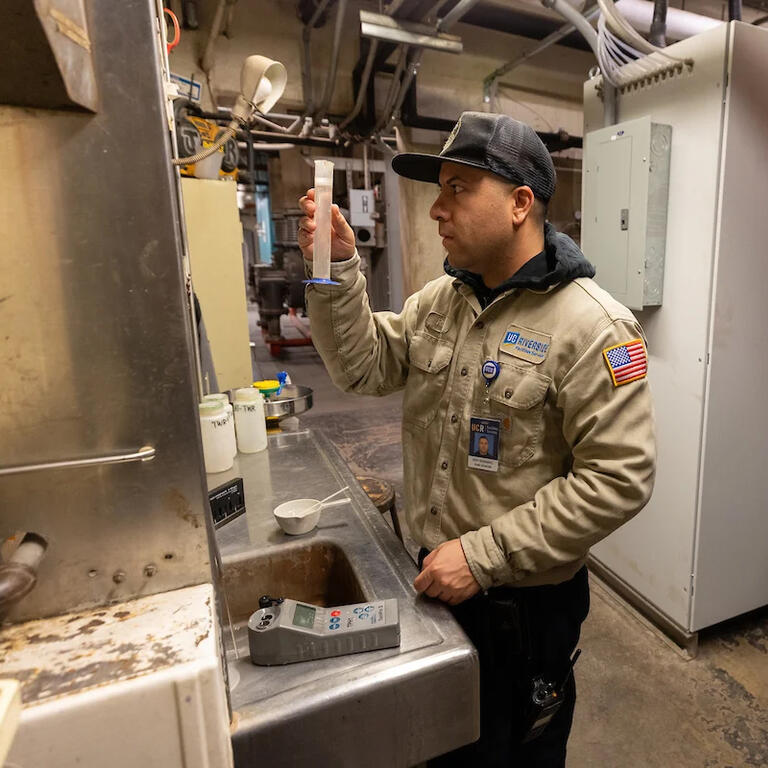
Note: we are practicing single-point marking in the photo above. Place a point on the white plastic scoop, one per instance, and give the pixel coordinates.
(301, 515)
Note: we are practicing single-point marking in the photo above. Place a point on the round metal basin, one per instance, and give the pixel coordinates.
(292, 401)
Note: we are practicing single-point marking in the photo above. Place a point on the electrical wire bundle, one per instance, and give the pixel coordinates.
(620, 44)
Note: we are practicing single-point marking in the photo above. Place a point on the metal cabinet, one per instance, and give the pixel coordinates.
(697, 554)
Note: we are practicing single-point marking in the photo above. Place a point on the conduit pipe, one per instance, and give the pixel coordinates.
(680, 24)
(206, 62)
(547, 42)
(306, 74)
(569, 13)
(658, 32)
(330, 81)
(366, 76)
(443, 25)
(374, 47)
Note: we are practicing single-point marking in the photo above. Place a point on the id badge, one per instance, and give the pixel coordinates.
(484, 439)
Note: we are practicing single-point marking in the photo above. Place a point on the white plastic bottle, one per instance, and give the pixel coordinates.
(217, 453)
(249, 420)
(224, 400)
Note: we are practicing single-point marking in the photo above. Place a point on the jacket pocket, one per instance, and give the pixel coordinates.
(517, 400)
(427, 377)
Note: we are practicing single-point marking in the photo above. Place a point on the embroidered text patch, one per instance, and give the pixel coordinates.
(526, 344)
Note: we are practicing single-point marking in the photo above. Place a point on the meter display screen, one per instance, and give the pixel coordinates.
(304, 616)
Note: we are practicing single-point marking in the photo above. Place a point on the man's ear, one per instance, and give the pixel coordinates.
(522, 200)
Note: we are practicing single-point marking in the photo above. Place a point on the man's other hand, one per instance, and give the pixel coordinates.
(445, 574)
(342, 235)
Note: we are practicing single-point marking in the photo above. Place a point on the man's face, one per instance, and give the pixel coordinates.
(474, 215)
(482, 446)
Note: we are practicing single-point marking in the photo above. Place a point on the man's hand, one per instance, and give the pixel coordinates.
(445, 574)
(342, 235)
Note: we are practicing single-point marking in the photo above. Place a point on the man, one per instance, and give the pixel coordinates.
(482, 446)
(515, 342)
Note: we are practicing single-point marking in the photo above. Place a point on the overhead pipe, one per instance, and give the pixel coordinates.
(374, 46)
(330, 81)
(306, 71)
(547, 42)
(365, 85)
(394, 88)
(443, 25)
(658, 33)
(569, 13)
(265, 147)
(392, 93)
(554, 141)
(679, 24)
(206, 61)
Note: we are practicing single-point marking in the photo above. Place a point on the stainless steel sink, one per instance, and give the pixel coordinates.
(400, 706)
(318, 573)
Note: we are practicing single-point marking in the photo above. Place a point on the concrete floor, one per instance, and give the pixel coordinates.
(642, 704)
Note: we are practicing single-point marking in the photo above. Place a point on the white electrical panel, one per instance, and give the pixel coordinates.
(696, 555)
(624, 222)
(362, 207)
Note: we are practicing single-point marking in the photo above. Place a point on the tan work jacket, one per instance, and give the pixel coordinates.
(577, 451)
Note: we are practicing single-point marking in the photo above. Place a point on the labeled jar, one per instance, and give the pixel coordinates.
(250, 422)
(214, 423)
(224, 400)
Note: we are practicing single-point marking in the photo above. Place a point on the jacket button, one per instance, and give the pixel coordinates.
(508, 394)
(444, 465)
(464, 371)
(433, 510)
(480, 325)
(454, 418)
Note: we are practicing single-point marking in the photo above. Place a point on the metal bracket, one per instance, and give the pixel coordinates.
(379, 26)
(147, 453)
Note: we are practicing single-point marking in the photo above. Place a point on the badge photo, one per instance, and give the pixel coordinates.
(484, 439)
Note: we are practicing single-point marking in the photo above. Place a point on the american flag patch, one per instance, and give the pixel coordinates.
(627, 362)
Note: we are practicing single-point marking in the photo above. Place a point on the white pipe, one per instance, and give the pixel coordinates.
(569, 13)
(206, 62)
(266, 147)
(680, 24)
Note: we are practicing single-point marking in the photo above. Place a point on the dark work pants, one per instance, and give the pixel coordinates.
(521, 633)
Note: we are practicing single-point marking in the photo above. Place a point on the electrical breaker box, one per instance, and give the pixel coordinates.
(624, 222)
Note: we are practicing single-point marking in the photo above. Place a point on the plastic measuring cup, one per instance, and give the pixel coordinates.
(321, 253)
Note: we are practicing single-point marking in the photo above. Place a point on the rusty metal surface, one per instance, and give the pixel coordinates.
(75, 652)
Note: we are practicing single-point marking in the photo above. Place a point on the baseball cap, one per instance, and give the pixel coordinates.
(496, 143)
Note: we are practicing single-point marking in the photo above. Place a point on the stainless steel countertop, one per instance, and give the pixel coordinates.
(393, 707)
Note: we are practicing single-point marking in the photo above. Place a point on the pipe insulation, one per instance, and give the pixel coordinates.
(680, 24)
